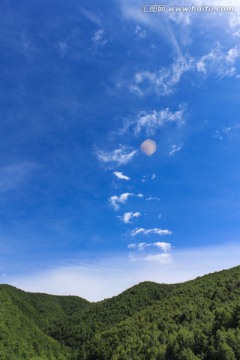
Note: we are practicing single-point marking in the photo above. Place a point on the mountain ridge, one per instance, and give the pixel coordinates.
(146, 321)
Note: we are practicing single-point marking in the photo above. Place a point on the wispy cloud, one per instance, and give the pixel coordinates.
(157, 231)
(140, 32)
(116, 157)
(164, 246)
(128, 216)
(174, 149)
(230, 20)
(159, 25)
(218, 62)
(12, 176)
(107, 277)
(234, 24)
(148, 177)
(149, 123)
(91, 16)
(152, 198)
(161, 258)
(121, 176)
(220, 134)
(62, 47)
(115, 200)
(164, 81)
(99, 38)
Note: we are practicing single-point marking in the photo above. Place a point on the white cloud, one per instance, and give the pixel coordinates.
(219, 62)
(126, 218)
(162, 82)
(147, 177)
(163, 258)
(91, 16)
(158, 24)
(118, 157)
(137, 246)
(234, 24)
(99, 38)
(151, 122)
(116, 200)
(107, 277)
(163, 246)
(226, 21)
(140, 32)
(121, 176)
(151, 198)
(215, 17)
(157, 231)
(233, 54)
(220, 134)
(174, 149)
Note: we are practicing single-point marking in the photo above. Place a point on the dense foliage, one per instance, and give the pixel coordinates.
(199, 319)
(25, 320)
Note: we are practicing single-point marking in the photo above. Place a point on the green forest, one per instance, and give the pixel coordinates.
(198, 319)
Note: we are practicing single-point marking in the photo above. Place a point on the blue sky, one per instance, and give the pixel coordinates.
(83, 209)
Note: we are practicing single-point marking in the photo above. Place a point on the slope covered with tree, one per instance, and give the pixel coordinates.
(199, 319)
(26, 320)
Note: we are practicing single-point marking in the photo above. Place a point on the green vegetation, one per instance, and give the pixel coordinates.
(199, 319)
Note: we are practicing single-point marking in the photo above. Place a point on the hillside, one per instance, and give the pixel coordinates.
(198, 319)
(25, 320)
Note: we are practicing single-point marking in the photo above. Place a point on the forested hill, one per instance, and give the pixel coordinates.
(199, 319)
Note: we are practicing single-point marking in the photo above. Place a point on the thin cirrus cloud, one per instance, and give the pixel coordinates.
(128, 216)
(152, 198)
(150, 252)
(115, 200)
(12, 176)
(150, 122)
(99, 38)
(218, 62)
(222, 133)
(164, 81)
(161, 258)
(107, 277)
(157, 231)
(153, 23)
(120, 156)
(174, 149)
(164, 246)
(140, 32)
(147, 177)
(234, 24)
(121, 176)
